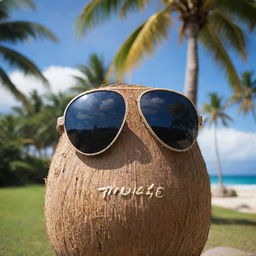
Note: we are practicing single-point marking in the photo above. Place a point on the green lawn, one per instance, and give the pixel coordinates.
(22, 229)
(233, 229)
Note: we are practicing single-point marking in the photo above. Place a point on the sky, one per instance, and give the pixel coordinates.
(165, 69)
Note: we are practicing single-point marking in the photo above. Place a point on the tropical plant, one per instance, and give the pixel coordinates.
(17, 166)
(28, 138)
(92, 75)
(31, 122)
(40, 122)
(54, 108)
(12, 32)
(215, 114)
(246, 96)
(11, 130)
(36, 105)
(217, 24)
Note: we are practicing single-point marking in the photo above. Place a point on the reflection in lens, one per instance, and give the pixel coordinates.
(93, 120)
(171, 116)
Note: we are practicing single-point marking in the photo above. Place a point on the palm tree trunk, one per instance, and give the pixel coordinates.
(217, 156)
(192, 66)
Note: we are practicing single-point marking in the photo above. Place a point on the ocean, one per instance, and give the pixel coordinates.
(234, 180)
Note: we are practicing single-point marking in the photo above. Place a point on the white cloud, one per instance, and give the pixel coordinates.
(107, 104)
(60, 79)
(234, 145)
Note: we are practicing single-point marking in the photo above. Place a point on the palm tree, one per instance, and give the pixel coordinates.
(11, 130)
(36, 105)
(92, 75)
(217, 24)
(18, 166)
(215, 114)
(31, 122)
(12, 32)
(54, 108)
(247, 94)
(38, 124)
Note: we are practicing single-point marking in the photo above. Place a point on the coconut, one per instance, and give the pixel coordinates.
(137, 198)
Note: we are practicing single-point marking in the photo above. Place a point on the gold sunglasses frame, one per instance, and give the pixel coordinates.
(61, 120)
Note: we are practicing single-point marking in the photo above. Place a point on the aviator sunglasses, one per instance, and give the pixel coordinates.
(94, 119)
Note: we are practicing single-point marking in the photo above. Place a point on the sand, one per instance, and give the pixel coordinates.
(244, 202)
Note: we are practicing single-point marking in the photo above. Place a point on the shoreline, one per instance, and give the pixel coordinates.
(244, 202)
(238, 186)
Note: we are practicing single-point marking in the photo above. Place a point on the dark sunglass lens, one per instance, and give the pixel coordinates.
(171, 116)
(93, 120)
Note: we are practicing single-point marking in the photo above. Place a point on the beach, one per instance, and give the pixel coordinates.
(244, 202)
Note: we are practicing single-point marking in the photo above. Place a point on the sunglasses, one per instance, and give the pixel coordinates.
(94, 119)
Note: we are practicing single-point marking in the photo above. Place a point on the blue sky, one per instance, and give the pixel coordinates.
(166, 69)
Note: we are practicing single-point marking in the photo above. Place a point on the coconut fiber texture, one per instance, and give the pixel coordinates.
(167, 212)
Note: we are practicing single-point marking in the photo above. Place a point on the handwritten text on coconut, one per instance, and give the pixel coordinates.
(149, 191)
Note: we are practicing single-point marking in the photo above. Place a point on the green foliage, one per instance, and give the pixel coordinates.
(221, 25)
(17, 168)
(28, 136)
(92, 75)
(142, 40)
(215, 110)
(246, 96)
(13, 32)
(6, 6)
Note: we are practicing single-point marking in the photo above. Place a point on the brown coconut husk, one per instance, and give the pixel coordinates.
(80, 222)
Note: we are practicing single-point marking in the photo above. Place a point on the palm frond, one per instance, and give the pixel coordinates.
(96, 66)
(246, 96)
(8, 5)
(21, 30)
(207, 5)
(91, 75)
(246, 79)
(20, 61)
(229, 32)
(214, 110)
(80, 88)
(226, 116)
(206, 108)
(213, 44)
(81, 80)
(131, 5)
(95, 12)
(8, 84)
(244, 11)
(141, 41)
(86, 71)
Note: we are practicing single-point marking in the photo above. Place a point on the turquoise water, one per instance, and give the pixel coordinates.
(235, 180)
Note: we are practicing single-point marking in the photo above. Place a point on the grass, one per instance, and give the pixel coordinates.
(232, 229)
(22, 229)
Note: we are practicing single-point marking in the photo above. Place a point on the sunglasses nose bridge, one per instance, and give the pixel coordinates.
(132, 98)
(134, 110)
(129, 101)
